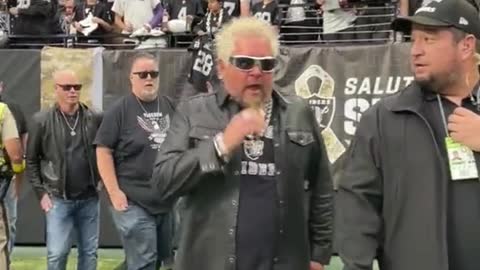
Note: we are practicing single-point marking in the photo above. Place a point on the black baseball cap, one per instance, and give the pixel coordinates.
(443, 13)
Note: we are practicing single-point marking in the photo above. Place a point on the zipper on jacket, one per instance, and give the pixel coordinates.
(59, 124)
(439, 155)
(84, 125)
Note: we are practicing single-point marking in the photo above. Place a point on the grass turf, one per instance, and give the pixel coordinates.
(33, 258)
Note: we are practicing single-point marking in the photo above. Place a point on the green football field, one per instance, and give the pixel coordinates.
(33, 258)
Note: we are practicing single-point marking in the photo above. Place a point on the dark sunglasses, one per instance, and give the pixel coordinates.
(246, 63)
(68, 87)
(144, 74)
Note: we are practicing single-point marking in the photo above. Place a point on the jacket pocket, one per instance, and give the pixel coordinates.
(199, 133)
(299, 149)
(301, 138)
(203, 133)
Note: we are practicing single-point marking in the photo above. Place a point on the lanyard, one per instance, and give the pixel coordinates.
(442, 113)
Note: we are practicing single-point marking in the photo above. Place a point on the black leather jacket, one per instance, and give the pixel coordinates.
(45, 150)
(188, 166)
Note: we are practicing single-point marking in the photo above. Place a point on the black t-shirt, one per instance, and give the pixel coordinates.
(269, 12)
(203, 63)
(463, 213)
(135, 131)
(257, 212)
(78, 179)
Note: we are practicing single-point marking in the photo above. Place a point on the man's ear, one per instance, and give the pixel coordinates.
(469, 46)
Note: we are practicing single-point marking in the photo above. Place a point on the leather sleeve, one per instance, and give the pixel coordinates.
(358, 221)
(35, 153)
(181, 166)
(321, 199)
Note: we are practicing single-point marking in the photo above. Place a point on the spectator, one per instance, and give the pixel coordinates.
(131, 15)
(34, 17)
(232, 6)
(181, 18)
(203, 57)
(338, 23)
(202, 68)
(269, 11)
(91, 19)
(216, 17)
(301, 22)
(65, 16)
(152, 28)
(181, 14)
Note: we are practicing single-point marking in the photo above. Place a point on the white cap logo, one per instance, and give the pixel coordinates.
(463, 21)
(426, 9)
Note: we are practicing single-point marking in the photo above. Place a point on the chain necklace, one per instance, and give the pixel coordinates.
(268, 111)
(267, 108)
(209, 21)
(72, 129)
(143, 108)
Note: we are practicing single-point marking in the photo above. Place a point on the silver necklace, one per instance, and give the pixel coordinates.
(268, 111)
(253, 146)
(143, 108)
(267, 108)
(72, 129)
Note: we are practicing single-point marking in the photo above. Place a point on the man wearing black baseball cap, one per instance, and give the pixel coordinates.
(443, 13)
(404, 198)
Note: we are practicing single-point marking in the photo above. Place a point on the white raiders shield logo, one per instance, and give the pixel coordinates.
(317, 87)
(253, 148)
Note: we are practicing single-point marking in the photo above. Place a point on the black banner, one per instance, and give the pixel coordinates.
(341, 83)
(20, 73)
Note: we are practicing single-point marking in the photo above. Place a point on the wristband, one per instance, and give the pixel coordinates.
(18, 167)
(220, 148)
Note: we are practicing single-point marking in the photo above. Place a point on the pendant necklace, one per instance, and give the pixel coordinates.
(72, 129)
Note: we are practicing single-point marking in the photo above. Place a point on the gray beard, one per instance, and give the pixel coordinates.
(147, 96)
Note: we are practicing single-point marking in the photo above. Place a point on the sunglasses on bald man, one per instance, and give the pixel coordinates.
(68, 87)
(246, 63)
(144, 74)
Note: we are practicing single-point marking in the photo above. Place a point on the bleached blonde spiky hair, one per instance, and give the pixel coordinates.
(244, 27)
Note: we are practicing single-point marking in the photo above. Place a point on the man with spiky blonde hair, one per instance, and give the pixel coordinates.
(242, 157)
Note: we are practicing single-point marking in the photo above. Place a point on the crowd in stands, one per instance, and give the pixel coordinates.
(119, 21)
(164, 23)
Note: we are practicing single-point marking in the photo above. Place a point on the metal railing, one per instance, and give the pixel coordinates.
(371, 25)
